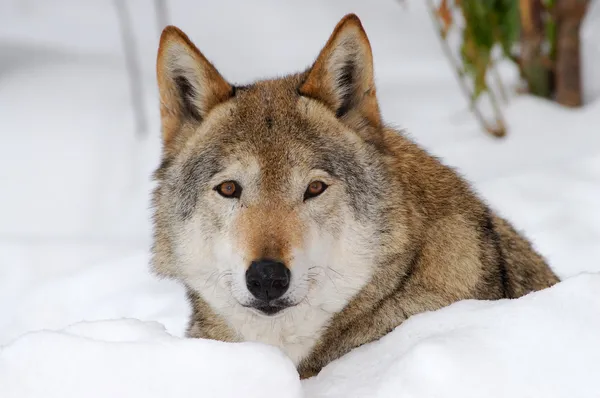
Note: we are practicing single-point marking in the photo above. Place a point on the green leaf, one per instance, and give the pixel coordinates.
(508, 24)
(476, 60)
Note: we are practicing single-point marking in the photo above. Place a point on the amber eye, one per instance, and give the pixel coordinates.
(229, 189)
(315, 188)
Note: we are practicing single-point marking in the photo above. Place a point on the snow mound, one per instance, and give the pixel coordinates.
(54, 286)
(546, 344)
(129, 358)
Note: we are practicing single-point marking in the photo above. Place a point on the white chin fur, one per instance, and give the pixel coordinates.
(325, 277)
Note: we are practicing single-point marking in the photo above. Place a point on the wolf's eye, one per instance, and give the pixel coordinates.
(229, 189)
(315, 188)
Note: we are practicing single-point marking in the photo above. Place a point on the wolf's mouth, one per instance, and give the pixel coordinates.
(269, 308)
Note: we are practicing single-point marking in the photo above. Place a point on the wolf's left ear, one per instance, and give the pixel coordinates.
(342, 77)
(189, 85)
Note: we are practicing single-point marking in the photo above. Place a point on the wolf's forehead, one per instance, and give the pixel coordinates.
(268, 111)
(265, 121)
(274, 159)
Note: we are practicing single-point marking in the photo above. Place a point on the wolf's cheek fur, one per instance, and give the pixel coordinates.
(207, 259)
(335, 263)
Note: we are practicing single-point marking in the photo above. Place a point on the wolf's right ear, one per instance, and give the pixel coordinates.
(189, 85)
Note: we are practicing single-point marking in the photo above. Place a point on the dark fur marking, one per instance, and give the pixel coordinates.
(489, 232)
(362, 175)
(269, 122)
(195, 175)
(243, 87)
(345, 82)
(159, 173)
(401, 284)
(346, 79)
(187, 95)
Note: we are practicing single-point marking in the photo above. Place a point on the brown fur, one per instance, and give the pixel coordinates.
(449, 260)
(430, 241)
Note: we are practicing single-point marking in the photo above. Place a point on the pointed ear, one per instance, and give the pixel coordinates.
(189, 85)
(342, 77)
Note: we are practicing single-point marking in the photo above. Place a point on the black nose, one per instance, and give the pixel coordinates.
(267, 279)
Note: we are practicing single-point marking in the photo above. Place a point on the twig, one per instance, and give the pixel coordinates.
(133, 69)
(497, 132)
(500, 130)
(499, 82)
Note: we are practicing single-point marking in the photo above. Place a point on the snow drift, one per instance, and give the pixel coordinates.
(546, 344)
(129, 358)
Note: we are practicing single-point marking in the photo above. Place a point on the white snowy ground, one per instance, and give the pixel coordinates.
(74, 230)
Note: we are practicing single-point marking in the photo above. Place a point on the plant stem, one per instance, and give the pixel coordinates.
(497, 132)
(499, 82)
(500, 130)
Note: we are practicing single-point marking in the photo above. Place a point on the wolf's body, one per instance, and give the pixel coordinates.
(387, 232)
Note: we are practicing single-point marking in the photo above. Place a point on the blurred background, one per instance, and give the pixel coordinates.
(506, 91)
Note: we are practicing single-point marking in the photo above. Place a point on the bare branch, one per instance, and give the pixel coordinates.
(498, 131)
(499, 81)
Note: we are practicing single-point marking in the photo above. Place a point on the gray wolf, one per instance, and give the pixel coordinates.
(295, 217)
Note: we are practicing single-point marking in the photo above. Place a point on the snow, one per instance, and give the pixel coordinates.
(74, 230)
(545, 344)
(133, 359)
(34, 298)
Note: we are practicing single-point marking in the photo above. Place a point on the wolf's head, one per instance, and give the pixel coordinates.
(270, 194)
